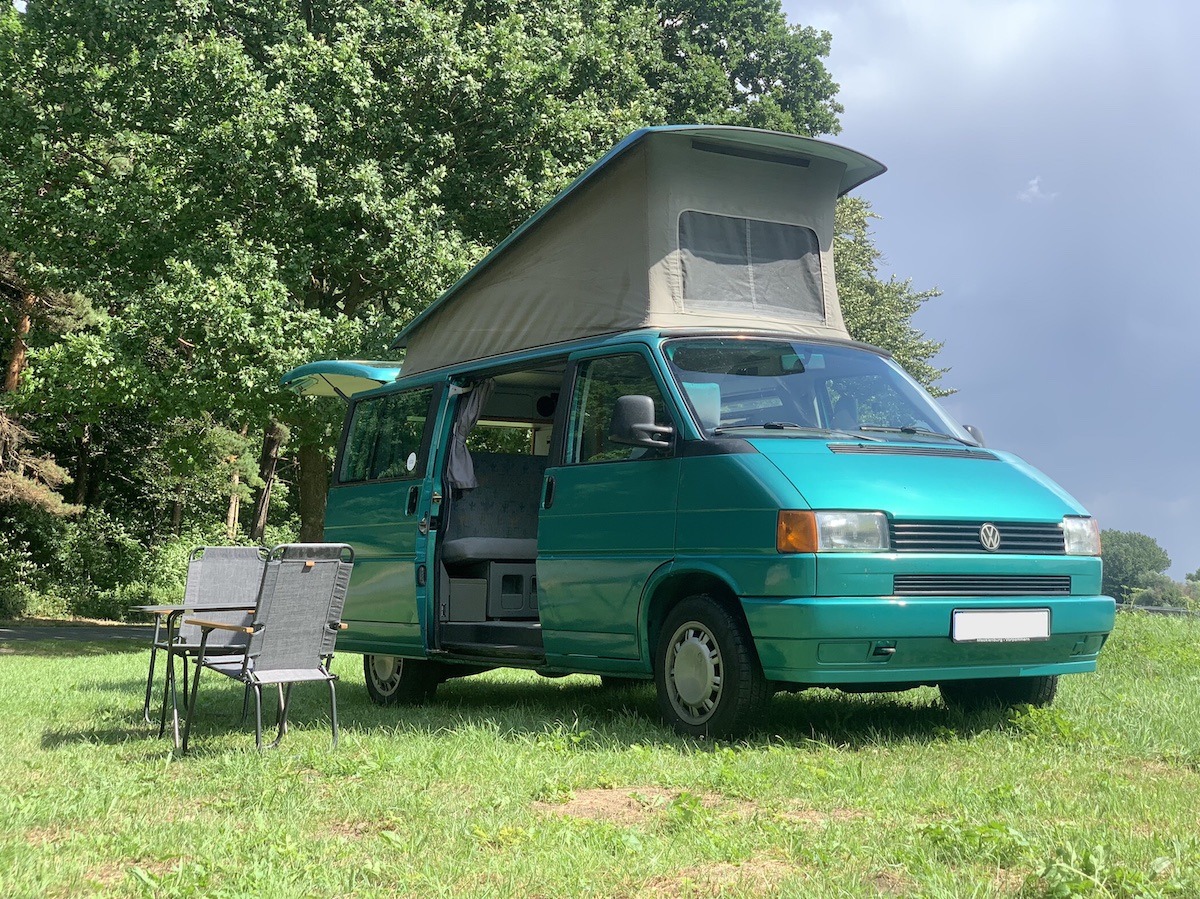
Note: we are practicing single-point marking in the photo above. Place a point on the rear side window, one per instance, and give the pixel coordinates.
(385, 441)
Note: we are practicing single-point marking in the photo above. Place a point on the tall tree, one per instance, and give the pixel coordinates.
(241, 187)
(359, 154)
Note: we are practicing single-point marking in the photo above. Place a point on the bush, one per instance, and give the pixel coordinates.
(17, 574)
(97, 565)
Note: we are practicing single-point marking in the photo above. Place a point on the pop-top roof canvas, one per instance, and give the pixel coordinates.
(684, 226)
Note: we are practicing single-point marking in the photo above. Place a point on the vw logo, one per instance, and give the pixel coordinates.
(989, 537)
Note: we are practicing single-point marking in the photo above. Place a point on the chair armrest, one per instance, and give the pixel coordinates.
(218, 625)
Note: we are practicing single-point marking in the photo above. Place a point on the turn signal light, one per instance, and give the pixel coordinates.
(796, 532)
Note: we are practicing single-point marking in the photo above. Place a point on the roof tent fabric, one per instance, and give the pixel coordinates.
(683, 226)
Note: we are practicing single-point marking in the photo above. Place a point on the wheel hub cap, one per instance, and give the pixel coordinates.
(696, 672)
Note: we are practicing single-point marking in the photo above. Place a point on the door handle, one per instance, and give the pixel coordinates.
(548, 493)
(414, 496)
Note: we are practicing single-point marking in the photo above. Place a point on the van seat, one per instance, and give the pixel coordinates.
(497, 521)
(491, 549)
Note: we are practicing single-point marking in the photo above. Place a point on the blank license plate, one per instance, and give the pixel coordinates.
(1000, 625)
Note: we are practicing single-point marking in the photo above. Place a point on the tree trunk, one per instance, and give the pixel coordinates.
(83, 466)
(235, 506)
(314, 484)
(16, 362)
(177, 512)
(272, 439)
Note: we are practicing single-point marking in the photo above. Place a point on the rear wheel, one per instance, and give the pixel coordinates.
(998, 692)
(706, 670)
(392, 680)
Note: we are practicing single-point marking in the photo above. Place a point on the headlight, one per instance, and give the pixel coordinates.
(1081, 536)
(831, 532)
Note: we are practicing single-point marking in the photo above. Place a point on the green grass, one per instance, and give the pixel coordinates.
(511, 785)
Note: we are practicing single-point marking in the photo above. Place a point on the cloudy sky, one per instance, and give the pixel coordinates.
(1044, 173)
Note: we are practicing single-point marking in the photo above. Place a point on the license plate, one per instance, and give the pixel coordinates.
(1000, 625)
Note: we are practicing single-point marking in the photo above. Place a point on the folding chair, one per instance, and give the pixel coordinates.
(292, 635)
(223, 583)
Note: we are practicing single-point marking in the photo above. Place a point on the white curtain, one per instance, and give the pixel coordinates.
(460, 470)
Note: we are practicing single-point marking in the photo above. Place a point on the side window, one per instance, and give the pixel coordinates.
(598, 384)
(385, 438)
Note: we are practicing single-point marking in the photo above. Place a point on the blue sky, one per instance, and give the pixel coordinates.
(1044, 173)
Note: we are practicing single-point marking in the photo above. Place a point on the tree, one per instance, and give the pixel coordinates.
(1132, 561)
(739, 62)
(880, 312)
(237, 188)
(361, 156)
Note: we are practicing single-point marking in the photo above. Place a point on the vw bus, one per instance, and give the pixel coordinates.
(637, 441)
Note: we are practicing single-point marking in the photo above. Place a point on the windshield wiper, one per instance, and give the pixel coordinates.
(910, 429)
(792, 426)
(765, 426)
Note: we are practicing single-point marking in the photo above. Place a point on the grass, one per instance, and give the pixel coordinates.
(511, 785)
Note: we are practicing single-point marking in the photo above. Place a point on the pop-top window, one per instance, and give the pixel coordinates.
(733, 263)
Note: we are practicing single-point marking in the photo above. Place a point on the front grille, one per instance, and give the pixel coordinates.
(1030, 538)
(891, 449)
(981, 585)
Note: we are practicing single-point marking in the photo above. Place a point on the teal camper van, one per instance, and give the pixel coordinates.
(637, 441)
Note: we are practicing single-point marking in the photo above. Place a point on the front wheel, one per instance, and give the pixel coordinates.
(998, 692)
(706, 671)
(392, 680)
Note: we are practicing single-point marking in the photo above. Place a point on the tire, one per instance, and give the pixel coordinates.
(999, 692)
(709, 681)
(392, 680)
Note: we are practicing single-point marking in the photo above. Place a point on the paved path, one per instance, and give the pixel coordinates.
(95, 633)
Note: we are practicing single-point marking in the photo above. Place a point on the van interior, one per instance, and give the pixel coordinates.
(487, 595)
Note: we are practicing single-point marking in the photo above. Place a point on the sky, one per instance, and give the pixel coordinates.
(1044, 174)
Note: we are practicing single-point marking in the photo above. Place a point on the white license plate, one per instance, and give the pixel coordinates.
(1000, 625)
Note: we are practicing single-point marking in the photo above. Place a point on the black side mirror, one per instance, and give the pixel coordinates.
(975, 433)
(633, 424)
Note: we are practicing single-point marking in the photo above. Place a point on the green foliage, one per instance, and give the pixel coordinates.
(962, 840)
(17, 574)
(739, 62)
(1090, 872)
(1132, 562)
(204, 195)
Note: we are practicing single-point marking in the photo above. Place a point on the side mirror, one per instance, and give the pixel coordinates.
(633, 424)
(975, 433)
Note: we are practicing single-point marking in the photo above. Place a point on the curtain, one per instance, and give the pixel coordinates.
(460, 470)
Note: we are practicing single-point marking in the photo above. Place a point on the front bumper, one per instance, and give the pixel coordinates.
(884, 640)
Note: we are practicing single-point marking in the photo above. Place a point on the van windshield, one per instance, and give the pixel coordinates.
(789, 388)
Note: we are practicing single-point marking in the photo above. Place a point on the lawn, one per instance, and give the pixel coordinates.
(512, 785)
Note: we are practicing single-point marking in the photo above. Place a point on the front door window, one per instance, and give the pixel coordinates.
(599, 383)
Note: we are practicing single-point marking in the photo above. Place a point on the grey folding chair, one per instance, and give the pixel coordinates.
(293, 632)
(223, 583)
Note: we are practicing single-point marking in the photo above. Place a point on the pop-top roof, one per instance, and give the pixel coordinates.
(681, 226)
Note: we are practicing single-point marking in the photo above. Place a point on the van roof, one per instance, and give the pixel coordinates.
(677, 226)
